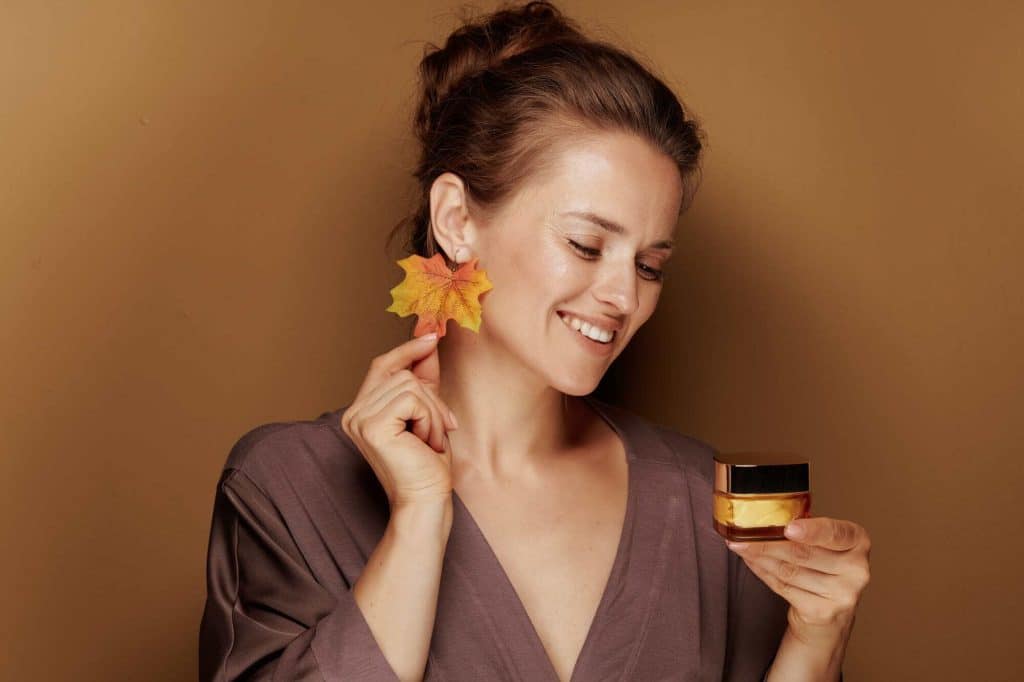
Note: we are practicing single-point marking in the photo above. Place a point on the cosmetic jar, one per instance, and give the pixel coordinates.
(757, 494)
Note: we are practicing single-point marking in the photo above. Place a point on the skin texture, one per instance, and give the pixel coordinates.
(512, 384)
(506, 384)
(526, 450)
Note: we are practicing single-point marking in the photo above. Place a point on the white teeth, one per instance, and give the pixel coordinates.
(587, 329)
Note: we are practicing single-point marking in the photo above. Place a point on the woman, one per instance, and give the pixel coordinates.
(521, 529)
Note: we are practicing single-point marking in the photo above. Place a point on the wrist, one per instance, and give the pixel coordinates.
(414, 521)
(823, 636)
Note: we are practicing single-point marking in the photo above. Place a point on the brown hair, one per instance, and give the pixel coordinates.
(508, 89)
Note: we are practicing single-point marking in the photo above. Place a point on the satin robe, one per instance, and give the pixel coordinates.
(297, 511)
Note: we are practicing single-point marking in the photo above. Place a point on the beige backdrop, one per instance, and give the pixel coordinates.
(193, 201)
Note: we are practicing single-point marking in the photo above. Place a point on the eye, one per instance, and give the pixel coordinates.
(652, 274)
(587, 251)
(590, 253)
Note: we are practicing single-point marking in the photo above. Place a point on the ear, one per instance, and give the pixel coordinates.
(449, 215)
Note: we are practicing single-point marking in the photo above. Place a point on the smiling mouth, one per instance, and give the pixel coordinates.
(585, 329)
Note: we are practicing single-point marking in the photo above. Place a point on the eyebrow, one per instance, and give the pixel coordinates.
(613, 226)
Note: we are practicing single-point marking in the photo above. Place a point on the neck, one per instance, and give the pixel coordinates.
(511, 421)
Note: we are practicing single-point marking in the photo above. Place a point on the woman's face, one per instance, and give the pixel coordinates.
(553, 267)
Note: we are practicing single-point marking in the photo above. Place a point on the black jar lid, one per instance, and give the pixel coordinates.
(761, 472)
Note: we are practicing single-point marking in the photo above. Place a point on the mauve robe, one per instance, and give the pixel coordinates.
(298, 511)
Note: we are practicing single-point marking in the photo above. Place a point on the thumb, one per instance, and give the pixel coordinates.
(428, 368)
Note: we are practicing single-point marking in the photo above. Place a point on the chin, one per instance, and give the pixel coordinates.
(578, 392)
(578, 386)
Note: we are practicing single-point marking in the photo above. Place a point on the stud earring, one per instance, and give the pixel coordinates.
(459, 256)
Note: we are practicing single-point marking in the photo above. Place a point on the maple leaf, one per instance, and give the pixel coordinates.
(436, 294)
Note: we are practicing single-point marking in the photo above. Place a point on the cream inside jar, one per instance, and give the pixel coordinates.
(757, 494)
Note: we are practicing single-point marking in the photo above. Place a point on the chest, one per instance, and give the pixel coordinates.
(557, 551)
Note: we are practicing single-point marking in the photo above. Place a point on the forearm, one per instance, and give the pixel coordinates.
(809, 659)
(397, 591)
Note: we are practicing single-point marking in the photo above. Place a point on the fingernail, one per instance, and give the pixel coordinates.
(737, 546)
(454, 420)
(794, 531)
(428, 337)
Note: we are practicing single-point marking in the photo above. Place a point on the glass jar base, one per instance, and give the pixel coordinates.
(738, 534)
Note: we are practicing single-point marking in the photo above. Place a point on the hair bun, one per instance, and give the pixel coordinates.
(510, 90)
(482, 43)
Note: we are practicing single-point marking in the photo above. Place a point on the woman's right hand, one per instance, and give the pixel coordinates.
(401, 389)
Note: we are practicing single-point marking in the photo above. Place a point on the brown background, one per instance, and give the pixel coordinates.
(193, 198)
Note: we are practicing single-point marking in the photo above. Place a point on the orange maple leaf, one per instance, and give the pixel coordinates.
(436, 294)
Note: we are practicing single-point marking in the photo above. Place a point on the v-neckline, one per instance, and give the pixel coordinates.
(614, 575)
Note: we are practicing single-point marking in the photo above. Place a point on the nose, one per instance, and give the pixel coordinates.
(618, 288)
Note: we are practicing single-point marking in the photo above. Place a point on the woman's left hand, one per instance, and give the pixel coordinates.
(821, 570)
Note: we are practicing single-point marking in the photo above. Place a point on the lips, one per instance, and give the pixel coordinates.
(571, 326)
(599, 321)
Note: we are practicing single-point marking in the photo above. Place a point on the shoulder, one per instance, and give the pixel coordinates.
(654, 441)
(293, 450)
(679, 464)
(695, 454)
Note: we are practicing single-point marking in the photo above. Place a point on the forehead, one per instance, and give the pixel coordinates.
(617, 175)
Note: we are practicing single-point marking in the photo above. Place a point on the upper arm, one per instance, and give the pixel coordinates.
(266, 616)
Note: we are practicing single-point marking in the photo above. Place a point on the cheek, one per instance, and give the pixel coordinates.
(559, 276)
(649, 303)
(526, 278)
(553, 262)
(541, 267)
(648, 308)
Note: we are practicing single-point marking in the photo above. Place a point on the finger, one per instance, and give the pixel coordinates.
(426, 369)
(432, 431)
(384, 391)
(825, 532)
(811, 556)
(425, 428)
(402, 356)
(823, 584)
(802, 600)
(396, 415)
(403, 376)
(444, 417)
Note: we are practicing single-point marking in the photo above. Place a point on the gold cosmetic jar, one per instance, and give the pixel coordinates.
(757, 494)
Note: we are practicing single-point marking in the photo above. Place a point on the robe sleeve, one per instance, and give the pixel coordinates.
(266, 617)
(757, 622)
